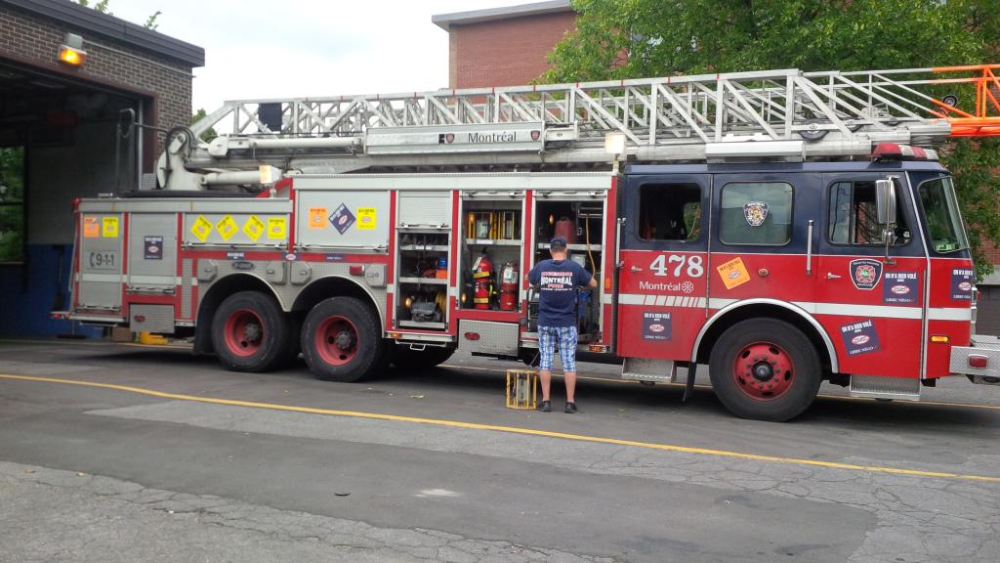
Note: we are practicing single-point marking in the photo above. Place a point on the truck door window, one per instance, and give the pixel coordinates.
(854, 218)
(670, 212)
(756, 214)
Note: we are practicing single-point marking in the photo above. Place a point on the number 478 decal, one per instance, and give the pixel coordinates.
(663, 264)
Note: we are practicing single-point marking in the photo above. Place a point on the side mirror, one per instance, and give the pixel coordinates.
(885, 199)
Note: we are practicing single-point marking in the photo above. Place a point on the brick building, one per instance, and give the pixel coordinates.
(503, 46)
(58, 136)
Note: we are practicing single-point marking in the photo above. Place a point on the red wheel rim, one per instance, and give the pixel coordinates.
(763, 371)
(244, 332)
(336, 340)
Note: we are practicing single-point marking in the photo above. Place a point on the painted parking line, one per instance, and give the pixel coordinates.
(510, 430)
(920, 403)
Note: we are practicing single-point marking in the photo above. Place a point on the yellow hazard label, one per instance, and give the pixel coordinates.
(367, 218)
(734, 273)
(254, 227)
(227, 227)
(317, 218)
(109, 227)
(201, 228)
(91, 229)
(276, 228)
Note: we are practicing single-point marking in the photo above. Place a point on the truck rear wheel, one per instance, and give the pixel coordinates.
(765, 369)
(405, 358)
(342, 341)
(250, 332)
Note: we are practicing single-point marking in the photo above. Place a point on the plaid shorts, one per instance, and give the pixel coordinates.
(566, 335)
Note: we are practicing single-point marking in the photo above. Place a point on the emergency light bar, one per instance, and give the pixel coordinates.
(893, 151)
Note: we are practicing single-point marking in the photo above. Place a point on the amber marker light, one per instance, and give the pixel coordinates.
(939, 339)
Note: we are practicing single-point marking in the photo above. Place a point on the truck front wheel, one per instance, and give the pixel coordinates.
(250, 332)
(765, 369)
(342, 341)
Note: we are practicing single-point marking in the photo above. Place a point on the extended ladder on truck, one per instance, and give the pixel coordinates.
(764, 114)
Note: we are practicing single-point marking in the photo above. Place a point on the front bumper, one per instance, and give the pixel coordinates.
(981, 348)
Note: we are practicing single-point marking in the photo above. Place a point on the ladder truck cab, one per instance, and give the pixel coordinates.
(780, 228)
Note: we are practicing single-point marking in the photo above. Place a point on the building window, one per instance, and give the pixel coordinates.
(11, 205)
(670, 212)
(854, 216)
(756, 214)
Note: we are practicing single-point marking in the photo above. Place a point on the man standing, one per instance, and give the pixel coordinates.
(558, 279)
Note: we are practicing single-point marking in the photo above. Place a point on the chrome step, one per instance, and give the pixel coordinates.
(880, 387)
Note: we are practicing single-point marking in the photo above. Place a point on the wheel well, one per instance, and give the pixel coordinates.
(760, 311)
(327, 287)
(215, 296)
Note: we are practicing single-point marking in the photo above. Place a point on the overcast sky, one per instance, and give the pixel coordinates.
(271, 48)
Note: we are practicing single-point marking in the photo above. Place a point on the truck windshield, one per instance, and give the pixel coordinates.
(944, 224)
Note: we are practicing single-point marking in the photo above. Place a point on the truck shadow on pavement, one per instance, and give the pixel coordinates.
(607, 398)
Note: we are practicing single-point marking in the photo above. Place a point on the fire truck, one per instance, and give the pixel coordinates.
(781, 228)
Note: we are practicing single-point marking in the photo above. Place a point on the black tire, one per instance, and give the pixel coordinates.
(405, 358)
(342, 340)
(250, 332)
(789, 364)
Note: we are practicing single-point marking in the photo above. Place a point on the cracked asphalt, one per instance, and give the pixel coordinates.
(92, 474)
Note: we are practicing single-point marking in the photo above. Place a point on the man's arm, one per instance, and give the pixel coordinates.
(585, 278)
(535, 275)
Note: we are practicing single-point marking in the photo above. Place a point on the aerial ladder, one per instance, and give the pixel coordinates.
(775, 114)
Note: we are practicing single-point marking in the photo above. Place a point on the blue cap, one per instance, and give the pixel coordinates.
(557, 241)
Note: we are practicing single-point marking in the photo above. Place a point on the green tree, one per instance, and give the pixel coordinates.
(102, 7)
(209, 133)
(635, 38)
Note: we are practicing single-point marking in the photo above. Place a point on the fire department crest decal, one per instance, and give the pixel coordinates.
(535, 135)
(755, 212)
(866, 273)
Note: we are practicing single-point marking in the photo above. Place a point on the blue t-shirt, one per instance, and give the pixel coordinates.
(558, 280)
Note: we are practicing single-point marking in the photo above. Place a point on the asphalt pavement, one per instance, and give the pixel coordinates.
(113, 452)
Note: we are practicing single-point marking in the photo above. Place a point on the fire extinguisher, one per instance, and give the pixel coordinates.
(482, 275)
(508, 287)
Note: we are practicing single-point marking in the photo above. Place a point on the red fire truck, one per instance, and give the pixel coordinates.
(781, 228)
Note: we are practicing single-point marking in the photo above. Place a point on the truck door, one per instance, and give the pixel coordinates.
(870, 306)
(152, 253)
(664, 251)
(760, 239)
(101, 255)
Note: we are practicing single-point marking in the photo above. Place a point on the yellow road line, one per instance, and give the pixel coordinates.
(921, 403)
(709, 387)
(510, 430)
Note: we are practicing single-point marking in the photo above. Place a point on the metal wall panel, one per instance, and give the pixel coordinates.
(237, 229)
(353, 221)
(151, 318)
(187, 282)
(494, 338)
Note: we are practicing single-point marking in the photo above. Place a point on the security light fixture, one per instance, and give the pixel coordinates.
(71, 52)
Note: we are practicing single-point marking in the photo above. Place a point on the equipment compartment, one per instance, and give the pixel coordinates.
(581, 223)
(424, 257)
(492, 243)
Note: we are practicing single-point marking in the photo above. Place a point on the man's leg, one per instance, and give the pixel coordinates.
(567, 352)
(546, 347)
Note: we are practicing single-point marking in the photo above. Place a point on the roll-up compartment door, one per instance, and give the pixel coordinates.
(101, 256)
